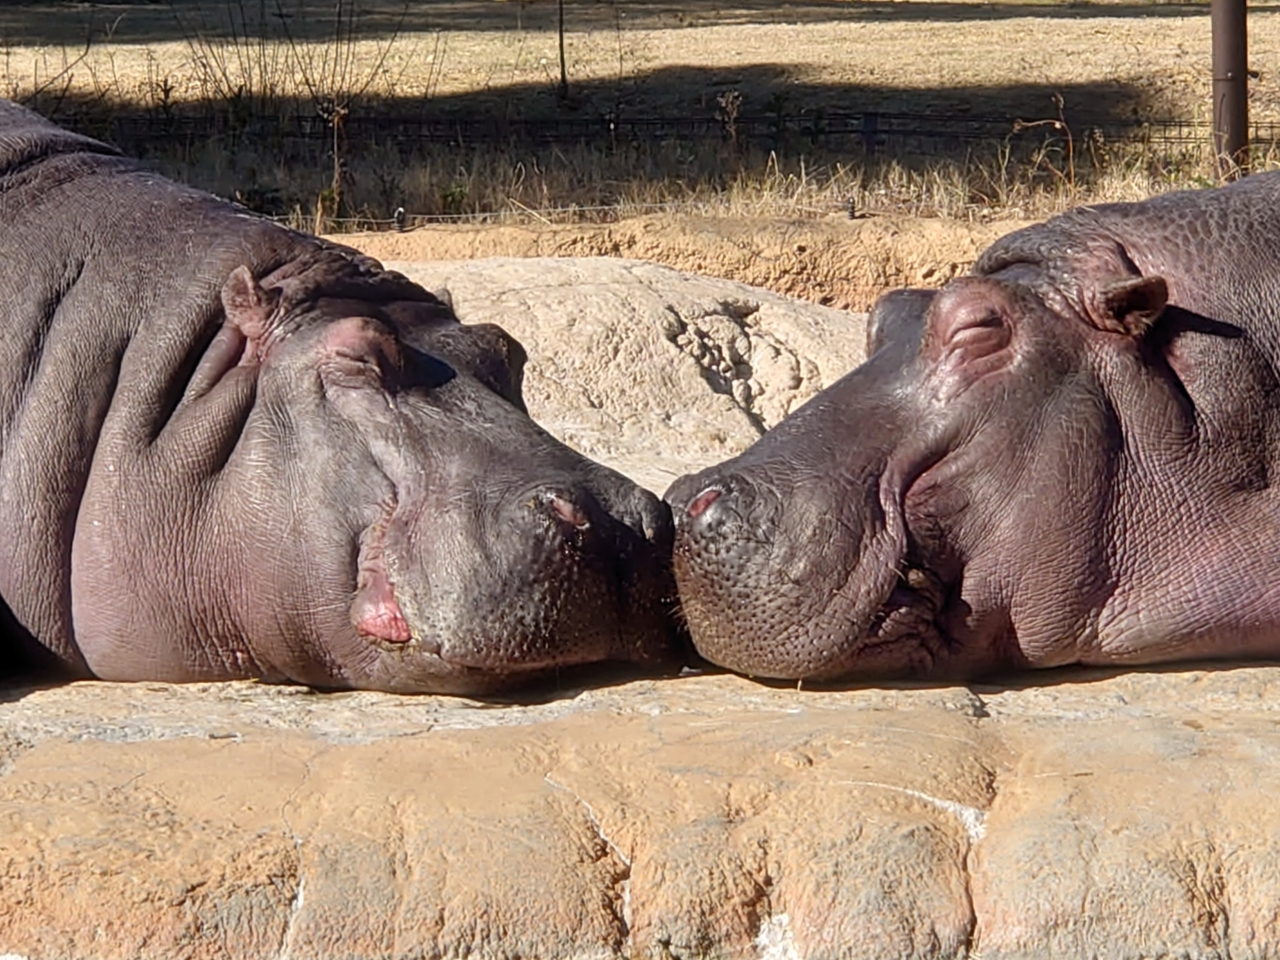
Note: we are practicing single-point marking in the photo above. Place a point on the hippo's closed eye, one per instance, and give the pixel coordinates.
(358, 352)
(970, 325)
(969, 336)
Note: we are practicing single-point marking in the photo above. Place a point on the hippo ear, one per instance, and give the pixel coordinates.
(248, 305)
(1130, 306)
(500, 366)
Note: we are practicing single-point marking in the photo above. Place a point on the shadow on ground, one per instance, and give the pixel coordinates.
(685, 93)
(564, 684)
(145, 21)
(1073, 675)
(474, 152)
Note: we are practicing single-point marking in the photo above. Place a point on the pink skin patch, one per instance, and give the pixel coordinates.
(705, 499)
(375, 611)
(570, 512)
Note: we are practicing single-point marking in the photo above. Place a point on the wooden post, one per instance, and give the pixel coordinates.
(1230, 87)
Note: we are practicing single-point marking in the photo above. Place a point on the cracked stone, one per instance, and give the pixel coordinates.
(668, 372)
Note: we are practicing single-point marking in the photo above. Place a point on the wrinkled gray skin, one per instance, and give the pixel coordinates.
(1066, 457)
(231, 450)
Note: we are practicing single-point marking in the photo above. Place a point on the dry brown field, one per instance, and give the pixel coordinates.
(1035, 61)
(1005, 56)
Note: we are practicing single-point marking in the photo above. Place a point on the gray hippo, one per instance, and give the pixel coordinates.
(230, 450)
(1070, 456)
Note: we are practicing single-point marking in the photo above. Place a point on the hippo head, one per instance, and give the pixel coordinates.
(943, 509)
(364, 501)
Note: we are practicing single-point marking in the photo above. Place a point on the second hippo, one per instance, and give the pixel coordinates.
(1069, 456)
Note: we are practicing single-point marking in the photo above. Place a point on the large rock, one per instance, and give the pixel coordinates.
(652, 371)
(707, 816)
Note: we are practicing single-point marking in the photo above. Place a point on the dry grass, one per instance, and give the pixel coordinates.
(590, 183)
(238, 58)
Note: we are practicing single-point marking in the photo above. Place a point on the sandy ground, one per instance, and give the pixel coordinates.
(836, 261)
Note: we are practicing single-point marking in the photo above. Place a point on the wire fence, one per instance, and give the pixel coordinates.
(873, 131)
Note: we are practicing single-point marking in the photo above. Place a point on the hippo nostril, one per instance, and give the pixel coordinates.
(568, 511)
(703, 500)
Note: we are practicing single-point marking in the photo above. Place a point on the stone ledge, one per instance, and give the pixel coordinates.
(706, 816)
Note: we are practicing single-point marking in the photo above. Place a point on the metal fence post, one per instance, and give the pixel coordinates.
(1230, 87)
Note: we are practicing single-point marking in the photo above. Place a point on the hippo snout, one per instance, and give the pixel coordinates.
(561, 572)
(781, 579)
(645, 514)
(725, 524)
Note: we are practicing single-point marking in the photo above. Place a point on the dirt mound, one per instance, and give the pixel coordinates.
(839, 263)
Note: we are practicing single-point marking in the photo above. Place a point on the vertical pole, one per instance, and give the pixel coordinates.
(1230, 87)
(564, 73)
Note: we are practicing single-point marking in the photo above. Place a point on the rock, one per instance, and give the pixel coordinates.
(652, 371)
(706, 816)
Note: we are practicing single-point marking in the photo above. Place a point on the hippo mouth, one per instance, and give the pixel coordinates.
(557, 596)
(791, 634)
(909, 618)
(375, 611)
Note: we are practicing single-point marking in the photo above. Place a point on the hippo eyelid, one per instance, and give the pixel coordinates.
(983, 318)
(981, 337)
(350, 371)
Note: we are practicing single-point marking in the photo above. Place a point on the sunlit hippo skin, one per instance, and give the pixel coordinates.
(230, 450)
(1069, 456)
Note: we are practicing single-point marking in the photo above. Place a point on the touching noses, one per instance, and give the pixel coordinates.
(579, 513)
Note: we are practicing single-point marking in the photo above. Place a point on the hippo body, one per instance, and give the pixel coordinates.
(231, 450)
(1069, 456)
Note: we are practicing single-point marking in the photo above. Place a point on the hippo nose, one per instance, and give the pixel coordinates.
(707, 512)
(698, 505)
(709, 508)
(569, 512)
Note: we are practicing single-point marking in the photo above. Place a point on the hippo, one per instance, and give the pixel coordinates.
(231, 450)
(1068, 456)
